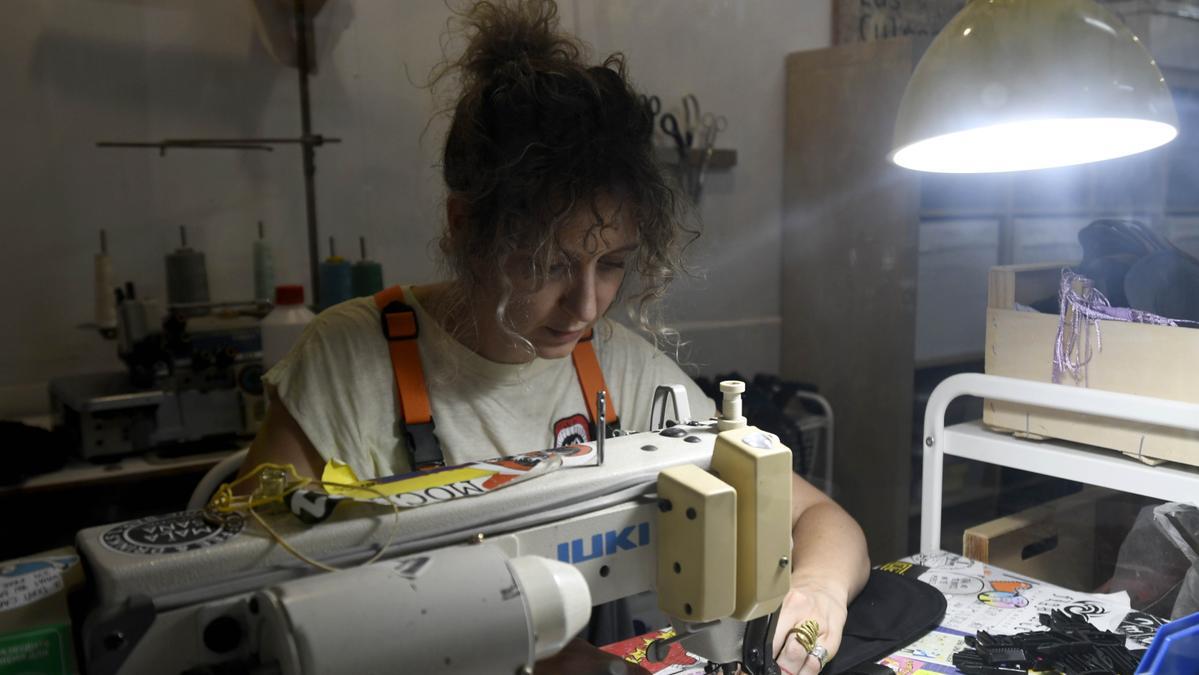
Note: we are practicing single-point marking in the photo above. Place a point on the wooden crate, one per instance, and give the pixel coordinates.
(1072, 541)
(1157, 361)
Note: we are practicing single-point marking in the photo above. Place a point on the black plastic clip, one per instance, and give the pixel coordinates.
(424, 446)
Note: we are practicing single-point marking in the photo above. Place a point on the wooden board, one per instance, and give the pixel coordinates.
(849, 271)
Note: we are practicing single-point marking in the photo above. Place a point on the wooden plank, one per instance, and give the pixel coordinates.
(1134, 359)
(849, 270)
(1024, 284)
(1139, 441)
(1001, 288)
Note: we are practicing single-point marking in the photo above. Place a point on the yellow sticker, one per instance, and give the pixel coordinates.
(430, 480)
(340, 472)
(337, 471)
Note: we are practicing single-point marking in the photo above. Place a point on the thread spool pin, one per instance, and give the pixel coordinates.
(367, 274)
(105, 308)
(336, 279)
(730, 409)
(601, 423)
(264, 267)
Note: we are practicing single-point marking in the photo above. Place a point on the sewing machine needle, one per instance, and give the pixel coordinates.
(601, 412)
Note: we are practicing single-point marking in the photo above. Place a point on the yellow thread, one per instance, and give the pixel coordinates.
(276, 482)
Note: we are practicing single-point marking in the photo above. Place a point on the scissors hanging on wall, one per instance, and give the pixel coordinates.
(681, 139)
(698, 131)
(691, 116)
(712, 126)
(653, 104)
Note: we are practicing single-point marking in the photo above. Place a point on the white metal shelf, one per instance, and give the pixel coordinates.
(1094, 466)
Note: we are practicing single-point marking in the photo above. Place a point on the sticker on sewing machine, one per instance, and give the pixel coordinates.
(636, 651)
(422, 488)
(28, 581)
(310, 506)
(411, 568)
(173, 533)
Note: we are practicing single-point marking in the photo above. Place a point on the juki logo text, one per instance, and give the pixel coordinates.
(603, 543)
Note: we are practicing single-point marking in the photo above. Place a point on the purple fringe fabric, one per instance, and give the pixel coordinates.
(1083, 306)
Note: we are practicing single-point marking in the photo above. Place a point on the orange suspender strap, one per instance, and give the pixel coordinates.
(591, 380)
(412, 397)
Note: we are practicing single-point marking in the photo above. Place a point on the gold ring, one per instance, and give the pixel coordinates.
(805, 634)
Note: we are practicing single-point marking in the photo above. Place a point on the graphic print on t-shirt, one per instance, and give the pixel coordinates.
(571, 430)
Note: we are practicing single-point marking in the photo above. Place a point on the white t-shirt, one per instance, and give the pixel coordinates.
(337, 383)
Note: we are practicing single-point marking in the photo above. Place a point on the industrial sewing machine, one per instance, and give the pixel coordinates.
(699, 511)
(195, 375)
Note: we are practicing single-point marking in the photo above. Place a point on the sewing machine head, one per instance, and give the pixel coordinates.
(192, 379)
(480, 584)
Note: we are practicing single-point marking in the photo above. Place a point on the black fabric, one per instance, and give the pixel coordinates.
(1133, 266)
(892, 610)
(610, 622)
(1110, 248)
(869, 669)
(31, 451)
(1165, 283)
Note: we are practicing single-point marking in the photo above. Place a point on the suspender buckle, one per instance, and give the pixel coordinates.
(426, 451)
(399, 322)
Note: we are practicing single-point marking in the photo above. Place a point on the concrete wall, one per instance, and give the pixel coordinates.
(78, 71)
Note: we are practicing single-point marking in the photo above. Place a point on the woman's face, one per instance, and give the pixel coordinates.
(580, 284)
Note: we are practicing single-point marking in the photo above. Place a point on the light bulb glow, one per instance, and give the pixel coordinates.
(1034, 144)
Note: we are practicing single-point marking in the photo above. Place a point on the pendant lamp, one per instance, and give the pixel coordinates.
(1013, 85)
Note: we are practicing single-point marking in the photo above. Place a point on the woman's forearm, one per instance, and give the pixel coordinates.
(829, 548)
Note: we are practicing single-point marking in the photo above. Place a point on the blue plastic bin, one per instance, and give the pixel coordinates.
(1174, 650)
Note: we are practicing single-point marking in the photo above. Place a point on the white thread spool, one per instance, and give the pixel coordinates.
(106, 303)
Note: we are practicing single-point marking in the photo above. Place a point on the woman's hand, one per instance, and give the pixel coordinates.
(815, 600)
(829, 565)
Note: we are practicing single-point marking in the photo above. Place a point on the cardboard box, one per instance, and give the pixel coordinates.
(1142, 359)
(35, 626)
(1072, 541)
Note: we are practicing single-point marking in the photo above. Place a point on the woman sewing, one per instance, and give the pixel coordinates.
(555, 207)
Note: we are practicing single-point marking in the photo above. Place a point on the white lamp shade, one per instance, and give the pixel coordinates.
(1011, 85)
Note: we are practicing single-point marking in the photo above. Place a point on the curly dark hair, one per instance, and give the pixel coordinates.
(537, 136)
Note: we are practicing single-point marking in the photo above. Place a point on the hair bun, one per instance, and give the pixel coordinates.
(509, 33)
